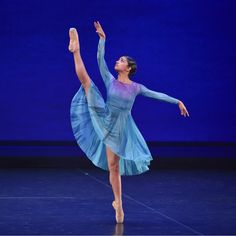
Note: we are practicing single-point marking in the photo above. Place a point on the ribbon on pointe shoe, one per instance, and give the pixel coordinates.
(119, 217)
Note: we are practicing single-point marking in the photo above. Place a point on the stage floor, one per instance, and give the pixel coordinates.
(57, 201)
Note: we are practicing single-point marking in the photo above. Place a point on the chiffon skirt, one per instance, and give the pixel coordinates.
(96, 125)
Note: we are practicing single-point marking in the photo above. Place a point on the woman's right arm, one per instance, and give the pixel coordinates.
(105, 73)
(163, 97)
(144, 91)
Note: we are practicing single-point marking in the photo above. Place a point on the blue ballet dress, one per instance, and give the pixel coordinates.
(97, 124)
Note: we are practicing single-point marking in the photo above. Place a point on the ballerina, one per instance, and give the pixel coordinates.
(106, 131)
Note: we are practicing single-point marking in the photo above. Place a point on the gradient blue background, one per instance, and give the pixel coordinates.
(183, 48)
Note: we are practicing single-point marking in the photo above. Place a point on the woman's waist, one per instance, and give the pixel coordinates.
(118, 108)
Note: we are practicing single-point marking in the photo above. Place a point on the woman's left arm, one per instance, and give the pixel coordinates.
(163, 97)
(105, 73)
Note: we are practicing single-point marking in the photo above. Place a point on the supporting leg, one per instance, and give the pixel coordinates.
(115, 181)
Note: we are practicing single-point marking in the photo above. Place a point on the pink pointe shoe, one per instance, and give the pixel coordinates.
(119, 213)
(74, 40)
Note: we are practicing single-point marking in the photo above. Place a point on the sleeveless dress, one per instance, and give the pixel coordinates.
(97, 124)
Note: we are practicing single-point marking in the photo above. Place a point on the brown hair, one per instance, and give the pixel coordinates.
(132, 64)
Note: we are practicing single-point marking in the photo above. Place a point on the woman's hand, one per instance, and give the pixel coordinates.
(183, 109)
(99, 30)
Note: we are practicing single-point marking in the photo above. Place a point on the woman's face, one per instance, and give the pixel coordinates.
(122, 65)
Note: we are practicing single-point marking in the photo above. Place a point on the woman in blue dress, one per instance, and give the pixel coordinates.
(105, 130)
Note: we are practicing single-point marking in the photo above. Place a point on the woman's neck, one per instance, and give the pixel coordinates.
(123, 78)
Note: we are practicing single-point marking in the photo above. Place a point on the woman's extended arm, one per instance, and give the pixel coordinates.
(157, 95)
(163, 97)
(105, 73)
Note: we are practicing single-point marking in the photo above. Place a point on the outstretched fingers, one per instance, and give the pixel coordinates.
(183, 109)
(184, 112)
(187, 112)
(99, 29)
(97, 25)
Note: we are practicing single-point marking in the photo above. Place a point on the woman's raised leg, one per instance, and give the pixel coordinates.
(115, 181)
(74, 47)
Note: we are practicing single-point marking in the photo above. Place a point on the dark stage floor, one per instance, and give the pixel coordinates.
(76, 201)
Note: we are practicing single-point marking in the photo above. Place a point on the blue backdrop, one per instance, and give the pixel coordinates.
(185, 48)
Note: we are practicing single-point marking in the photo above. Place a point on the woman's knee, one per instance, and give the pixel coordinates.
(113, 160)
(114, 167)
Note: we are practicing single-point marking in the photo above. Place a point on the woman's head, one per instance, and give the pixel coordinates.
(126, 64)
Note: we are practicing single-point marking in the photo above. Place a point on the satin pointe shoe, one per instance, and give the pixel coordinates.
(119, 213)
(74, 40)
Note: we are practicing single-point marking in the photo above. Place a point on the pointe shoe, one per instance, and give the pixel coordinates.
(74, 40)
(119, 213)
